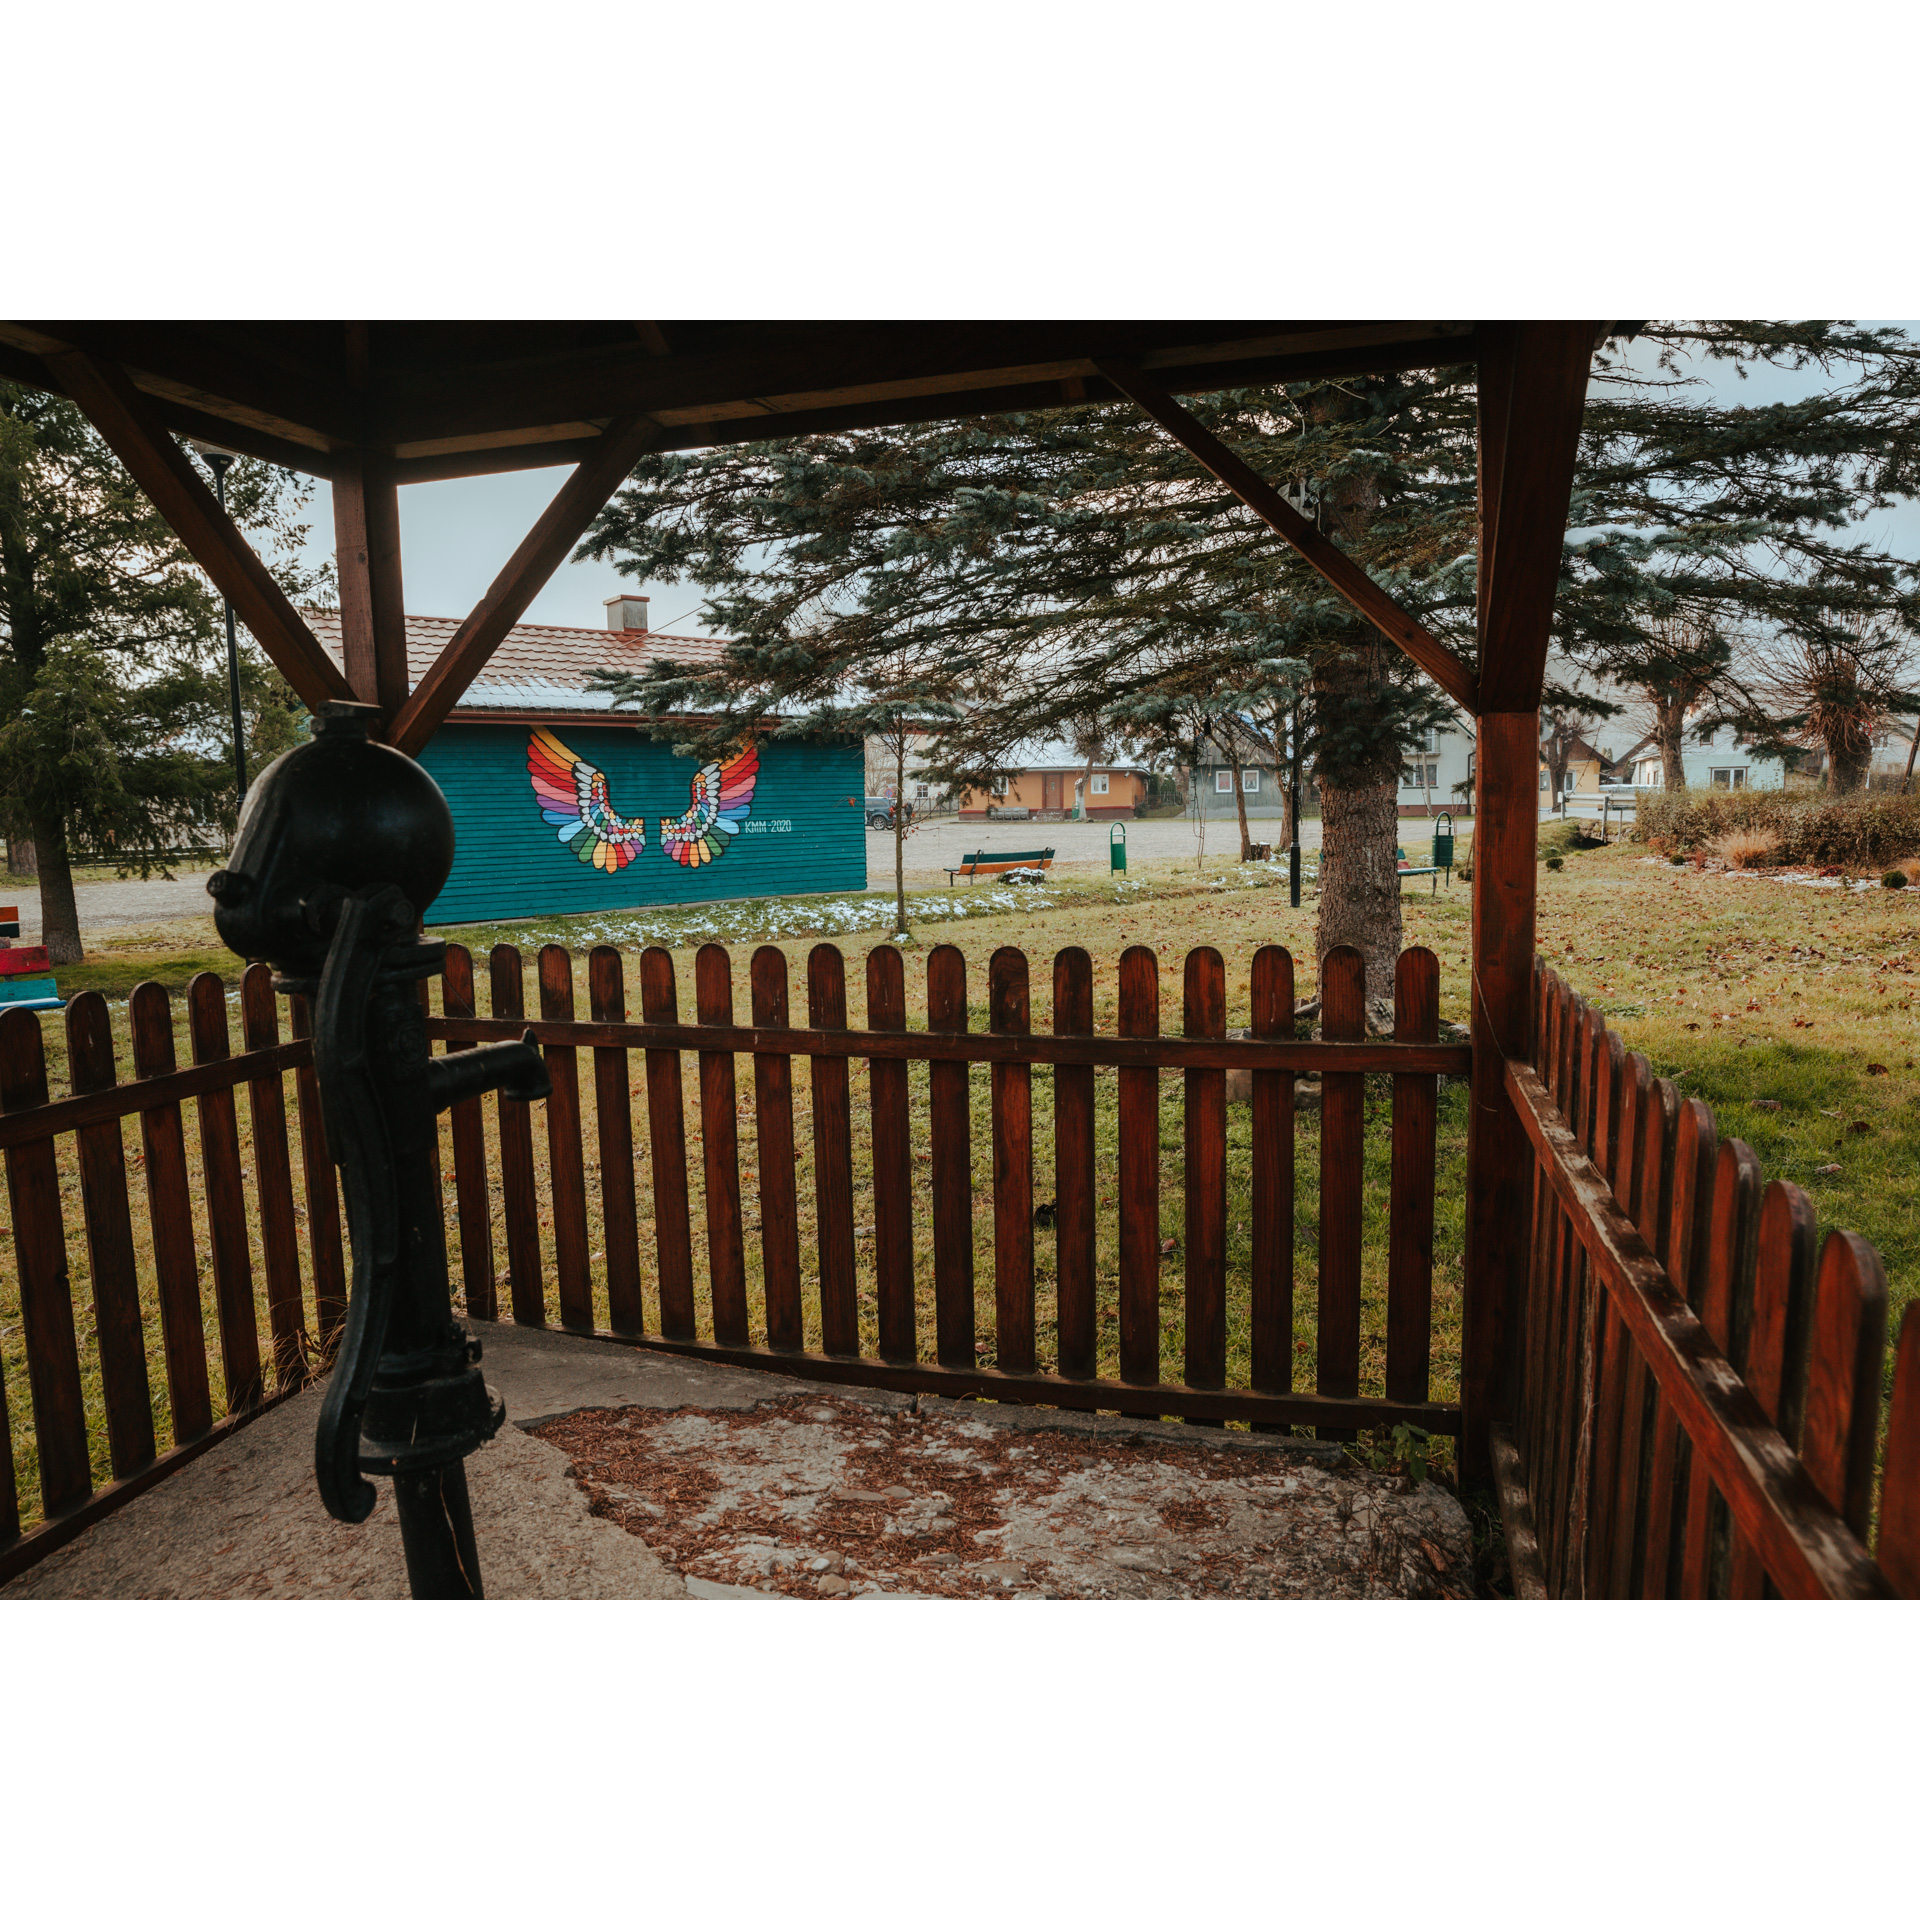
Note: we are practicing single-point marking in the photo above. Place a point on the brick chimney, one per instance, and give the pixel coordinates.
(626, 613)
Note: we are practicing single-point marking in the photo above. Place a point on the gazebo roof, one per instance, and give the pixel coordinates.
(444, 398)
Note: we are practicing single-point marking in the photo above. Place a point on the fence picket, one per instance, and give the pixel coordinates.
(1139, 1117)
(320, 1183)
(720, 1151)
(1009, 1011)
(951, 1116)
(779, 1196)
(1614, 1136)
(1845, 1356)
(467, 1130)
(273, 1182)
(124, 1380)
(1343, 1147)
(1073, 1172)
(667, 1139)
(1416, 1017)
(226, 1199)
(833, 1159)
(1204, 1187)
(170, 1213)
(1899, 1545)
(566, 1158)
(526, 1280)
(1776, 1352)
(1730, 1253)
(1271, 1306)
(613, 1127)
(46, 1292)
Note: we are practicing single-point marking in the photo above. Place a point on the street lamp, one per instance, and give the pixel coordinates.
(219, 459)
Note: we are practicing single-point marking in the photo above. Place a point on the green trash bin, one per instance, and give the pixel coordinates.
(1117, 848)
(1443, 845)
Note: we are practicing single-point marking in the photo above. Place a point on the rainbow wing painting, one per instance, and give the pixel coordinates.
(722, 794)
(573, 798)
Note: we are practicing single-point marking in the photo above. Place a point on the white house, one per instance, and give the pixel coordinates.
(1718, 761)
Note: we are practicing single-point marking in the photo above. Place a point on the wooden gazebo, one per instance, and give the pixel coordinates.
(1674, 1389)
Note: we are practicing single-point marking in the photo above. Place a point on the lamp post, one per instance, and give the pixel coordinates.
(219, 459)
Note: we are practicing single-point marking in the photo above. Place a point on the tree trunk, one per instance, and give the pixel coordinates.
(900, 835)
(21, 858)
(1360, 845)
(1086, 793)
(59, 911)
(1240, 804)
(1283, 772)
(1849, 759)
(1669, 721)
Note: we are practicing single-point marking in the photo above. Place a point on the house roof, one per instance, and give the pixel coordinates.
(1057, 756)
(537, 668)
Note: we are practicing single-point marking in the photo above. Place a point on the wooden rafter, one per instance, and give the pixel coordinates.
(1437, 660)
(120, 412)
(373, 621)
(587, 490)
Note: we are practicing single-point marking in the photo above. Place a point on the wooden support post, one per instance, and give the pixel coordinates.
(373, 625)
(1532, 391)
(126, 423)
(571, 511)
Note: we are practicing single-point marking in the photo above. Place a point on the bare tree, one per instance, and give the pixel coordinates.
(1830, 682)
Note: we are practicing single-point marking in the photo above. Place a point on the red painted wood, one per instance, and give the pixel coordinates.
(526, 1279)
(566, 1158)
(667, 1138)
(170, 1213)
(613, 1122)
(467, 1130)
(833, 1158)
(779, 1196)
(1733, 1224)
(1613, 1128)
(273, 1183)
(952, 1143)
(1775, 1362)
(325, 1250)
(1073, 1171)
(1845, 1356)
(1204, 994)
(720, 1152)
(1139, 1119)
(124, 1381)
(1271, 1306)
(226, 1200)
(1009, 1012)
(1416, 1016)
(892, 1163)
(46, 1295)
(1899, 1546)
(1343, 1016)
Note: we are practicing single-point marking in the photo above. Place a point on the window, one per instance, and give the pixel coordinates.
(1223, 780)
(1249, 779)
(1099, 783)
(1566, 781)
(920, 792)
(1729, 776)
(1543, 779)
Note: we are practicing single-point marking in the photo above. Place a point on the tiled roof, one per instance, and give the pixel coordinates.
(536, 668)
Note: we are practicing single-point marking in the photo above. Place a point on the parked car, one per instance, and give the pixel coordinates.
(880, 811)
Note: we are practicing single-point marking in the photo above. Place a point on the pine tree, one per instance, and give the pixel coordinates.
(114, 739)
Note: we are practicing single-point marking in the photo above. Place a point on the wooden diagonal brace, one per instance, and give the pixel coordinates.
(1437, 660)
(570, 513)
(125, 422)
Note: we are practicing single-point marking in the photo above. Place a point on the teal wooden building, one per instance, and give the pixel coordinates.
(561, 805)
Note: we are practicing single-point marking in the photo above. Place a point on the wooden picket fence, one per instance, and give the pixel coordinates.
(1700, 1385)
(1138, 1053)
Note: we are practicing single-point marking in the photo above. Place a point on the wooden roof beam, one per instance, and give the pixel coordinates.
(120, 413)
(591, 485)
(1440, 663)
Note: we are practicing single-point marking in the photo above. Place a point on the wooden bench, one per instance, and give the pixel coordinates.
(976, 864)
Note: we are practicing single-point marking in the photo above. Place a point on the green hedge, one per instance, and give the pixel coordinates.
(1812, 828)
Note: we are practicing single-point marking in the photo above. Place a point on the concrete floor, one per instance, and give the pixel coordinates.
(659, 1478)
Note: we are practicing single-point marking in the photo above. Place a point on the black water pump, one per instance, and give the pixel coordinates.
(342, 844)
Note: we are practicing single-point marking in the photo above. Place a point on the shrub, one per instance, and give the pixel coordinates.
(1554, 863)
(1808, 828)
(1746, 847)
(1893, 878)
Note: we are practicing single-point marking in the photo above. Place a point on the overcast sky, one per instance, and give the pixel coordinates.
(455, 534)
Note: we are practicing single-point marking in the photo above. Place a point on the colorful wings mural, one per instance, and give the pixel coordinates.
(573, 797)
(722, 795)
